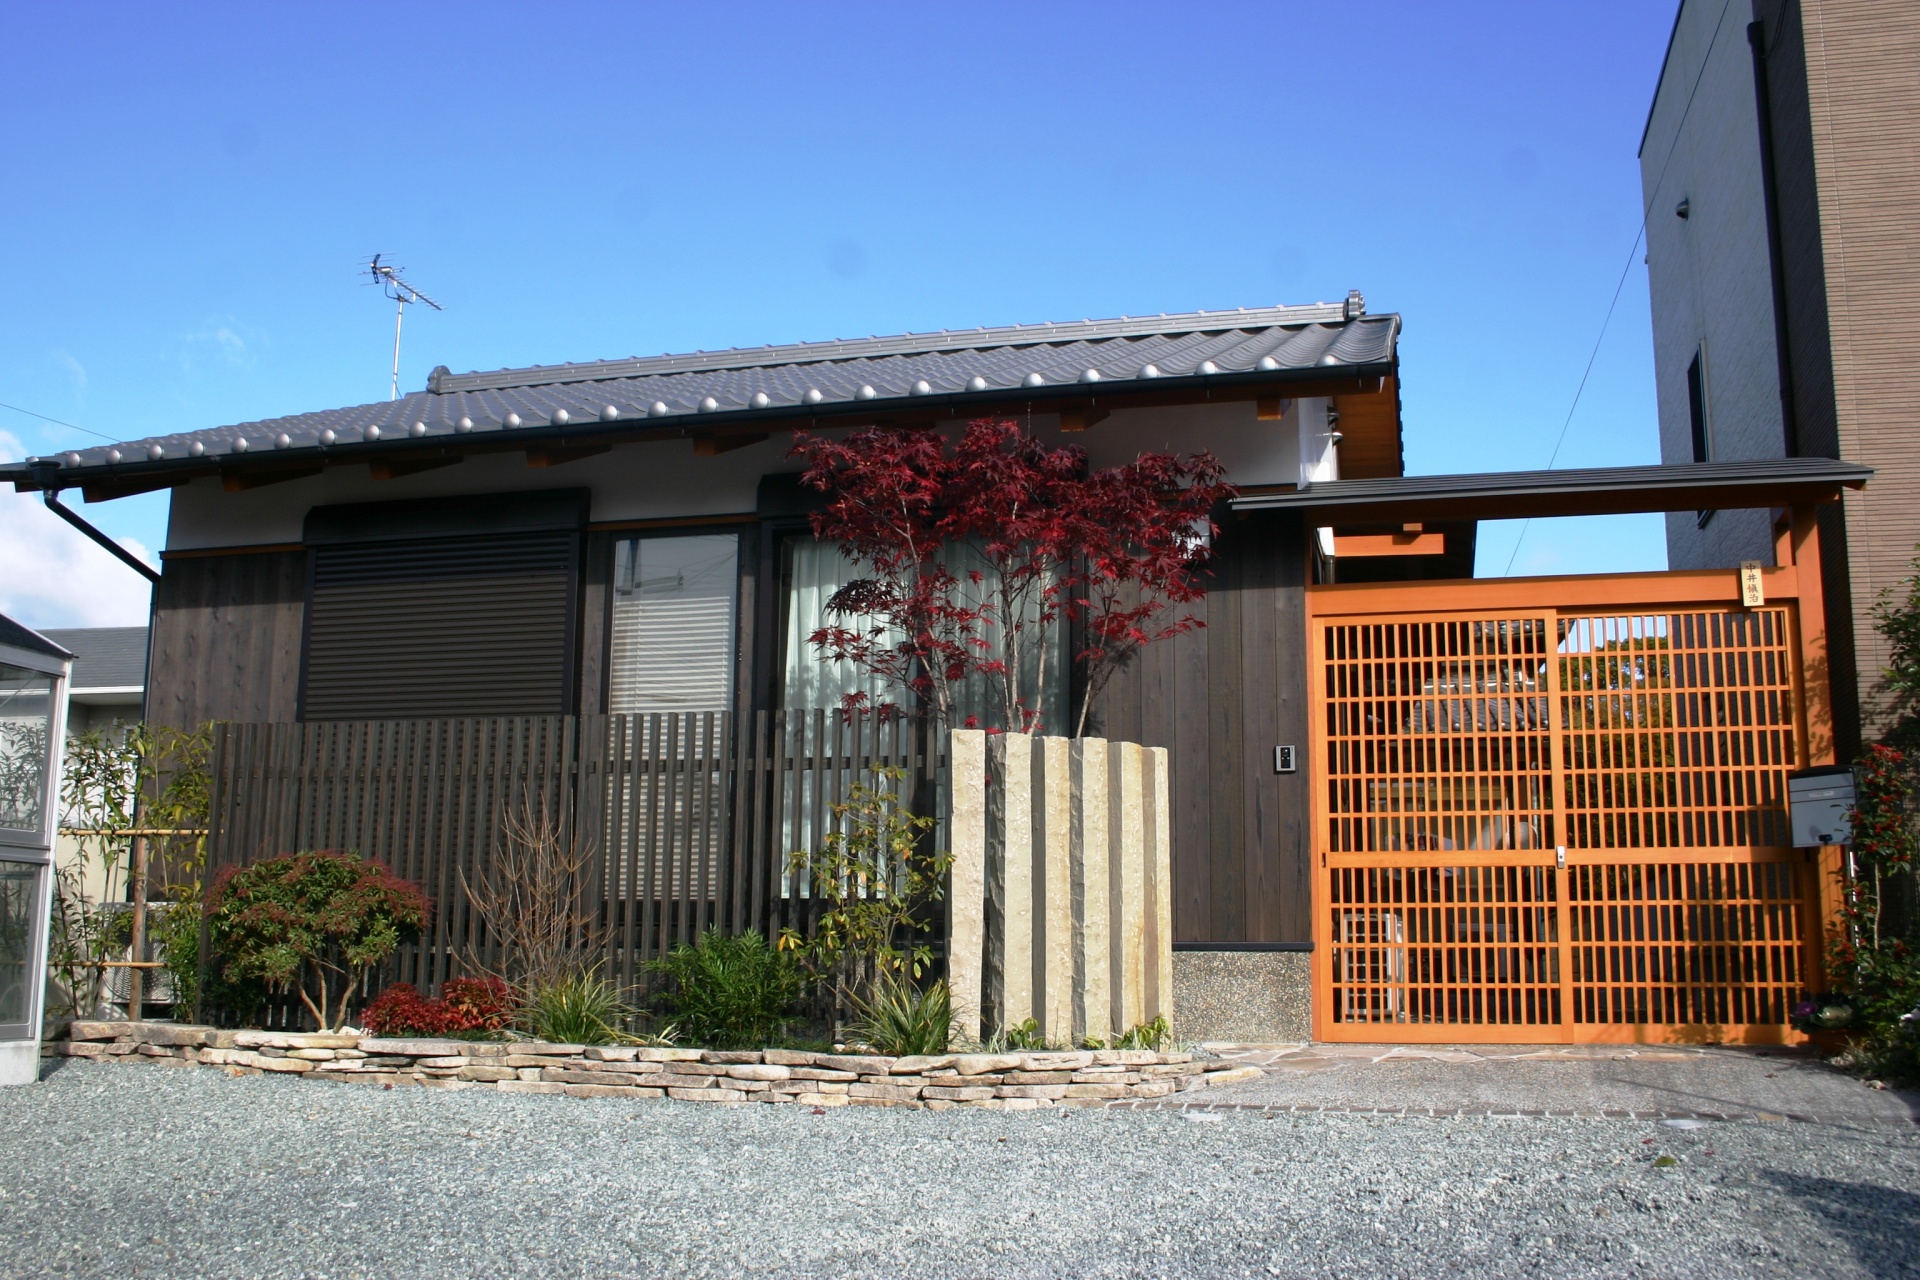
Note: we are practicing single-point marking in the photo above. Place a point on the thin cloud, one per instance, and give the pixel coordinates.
(55, 576)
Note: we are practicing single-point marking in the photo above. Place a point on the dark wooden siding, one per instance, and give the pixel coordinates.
(1220, 699)
(226, 638)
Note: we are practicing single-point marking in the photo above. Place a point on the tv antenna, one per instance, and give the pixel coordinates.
(403, 294)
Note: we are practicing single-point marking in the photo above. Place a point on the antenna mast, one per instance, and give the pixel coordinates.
(402, 293)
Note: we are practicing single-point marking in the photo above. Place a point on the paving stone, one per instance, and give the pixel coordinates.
(492, 1074)
(91, 1030)
(918, 1064)
(821, 1100)
(730, 1057)
(821, 1073)
(707, 1095)
(530, 1086)
(759, 1071)
(1046, 1091)
(611, 1052)
(975, 1064)
(958, 1093)
(890, 1092)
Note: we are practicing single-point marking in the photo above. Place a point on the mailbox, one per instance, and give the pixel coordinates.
(1820, 802)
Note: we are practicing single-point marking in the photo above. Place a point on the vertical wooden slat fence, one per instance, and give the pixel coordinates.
(692, 816)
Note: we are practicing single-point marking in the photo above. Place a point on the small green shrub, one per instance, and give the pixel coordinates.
(1024, 1037)
(311, 923)
(578, 1008)
(1156, 1035)
(729, 992)
(903, 1019)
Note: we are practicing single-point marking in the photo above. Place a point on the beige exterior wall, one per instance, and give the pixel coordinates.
(1863, 81)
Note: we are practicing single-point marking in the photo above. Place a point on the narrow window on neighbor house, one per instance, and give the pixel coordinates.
(1697, 407)
(1697, 419)
(675, 600)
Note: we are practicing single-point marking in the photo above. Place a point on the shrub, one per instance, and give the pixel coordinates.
(312, 923)
(467, 1007)
(875, 883)
(729, 992)
(578, 1008)
(902, 1019)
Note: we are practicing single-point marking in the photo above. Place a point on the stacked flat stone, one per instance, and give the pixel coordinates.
(1003, 1081)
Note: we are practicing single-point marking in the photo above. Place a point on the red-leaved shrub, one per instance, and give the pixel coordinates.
(465, 1006)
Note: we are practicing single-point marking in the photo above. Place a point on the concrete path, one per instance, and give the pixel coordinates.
(1578, 1079)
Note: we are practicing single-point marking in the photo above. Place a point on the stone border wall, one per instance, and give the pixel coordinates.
(1008, 1081)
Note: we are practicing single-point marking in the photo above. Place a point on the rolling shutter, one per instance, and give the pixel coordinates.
(442, 627)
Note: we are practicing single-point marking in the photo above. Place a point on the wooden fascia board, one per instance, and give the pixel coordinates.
(1659, 589)
(1360, 545)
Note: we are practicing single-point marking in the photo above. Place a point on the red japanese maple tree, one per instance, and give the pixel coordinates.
(974, 550)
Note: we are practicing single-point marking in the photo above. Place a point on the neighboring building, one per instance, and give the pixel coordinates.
(1781, 174)
(109, 678)
(107, 686)
(1389, 780)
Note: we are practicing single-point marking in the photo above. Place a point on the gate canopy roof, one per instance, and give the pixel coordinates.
(1504, 495)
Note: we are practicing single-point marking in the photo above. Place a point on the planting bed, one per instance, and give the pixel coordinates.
(1006, 1082)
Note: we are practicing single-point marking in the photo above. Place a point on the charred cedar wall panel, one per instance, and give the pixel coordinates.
(596, 622)
(442, 627)
(226, 638)
(1220, 699)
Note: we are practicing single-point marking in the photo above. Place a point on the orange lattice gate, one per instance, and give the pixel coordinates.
(1558, 823)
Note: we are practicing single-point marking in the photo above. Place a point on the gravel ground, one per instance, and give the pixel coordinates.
(123, 1169)
(1589, 1077)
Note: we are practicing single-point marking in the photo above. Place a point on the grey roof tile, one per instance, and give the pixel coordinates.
(1290, 340)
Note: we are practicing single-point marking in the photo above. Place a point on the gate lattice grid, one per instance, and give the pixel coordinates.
(1545, 825)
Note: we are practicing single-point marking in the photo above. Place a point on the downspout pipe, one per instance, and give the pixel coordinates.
(44, 474)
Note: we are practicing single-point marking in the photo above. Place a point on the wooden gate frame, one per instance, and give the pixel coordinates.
(1795, 581)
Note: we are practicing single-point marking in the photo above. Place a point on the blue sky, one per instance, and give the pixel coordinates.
(192, 189)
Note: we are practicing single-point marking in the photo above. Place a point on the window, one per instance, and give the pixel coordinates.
(20, 914)
(1697, 419)
(675, 599)
(815, 570)
(26, 718)
(1697, 407)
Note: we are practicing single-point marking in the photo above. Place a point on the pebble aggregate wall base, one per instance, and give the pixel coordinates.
(1008, 1081)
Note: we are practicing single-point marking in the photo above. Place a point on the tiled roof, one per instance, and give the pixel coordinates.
(104, 657)
(947, 371)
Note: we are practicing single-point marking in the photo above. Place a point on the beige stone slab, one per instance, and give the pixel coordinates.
(1089, 875)
(730, 1057)
(1096, 1091)
(967, 886)
(1053, 887)
(488, 1073)
(759, 1071)
(1038, 1077)
(610, 1053)
(917, 1065)
(959, 1093)
(788, 1057)
(821, 1073)
(1127, 833)
(707, 1095)
(1008, 972)
(584, 1090)
(821, 1099)
(89, 1030)
(1157, 950)
(530, 1086)
(1070, 1060)
(974, 1064)
(892, 1091)
(1047, 1091)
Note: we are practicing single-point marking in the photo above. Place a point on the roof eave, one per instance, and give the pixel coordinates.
(139, 476)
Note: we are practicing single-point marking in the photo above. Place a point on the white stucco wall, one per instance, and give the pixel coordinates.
(1709, 274)
(664, 479)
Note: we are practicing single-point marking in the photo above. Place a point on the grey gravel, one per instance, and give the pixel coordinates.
(124, 1169)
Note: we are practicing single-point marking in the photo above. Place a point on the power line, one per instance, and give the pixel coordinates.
(1645, 211)
(56, 421)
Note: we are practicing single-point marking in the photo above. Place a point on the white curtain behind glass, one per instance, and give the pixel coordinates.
(673, 623)
(818, 570)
